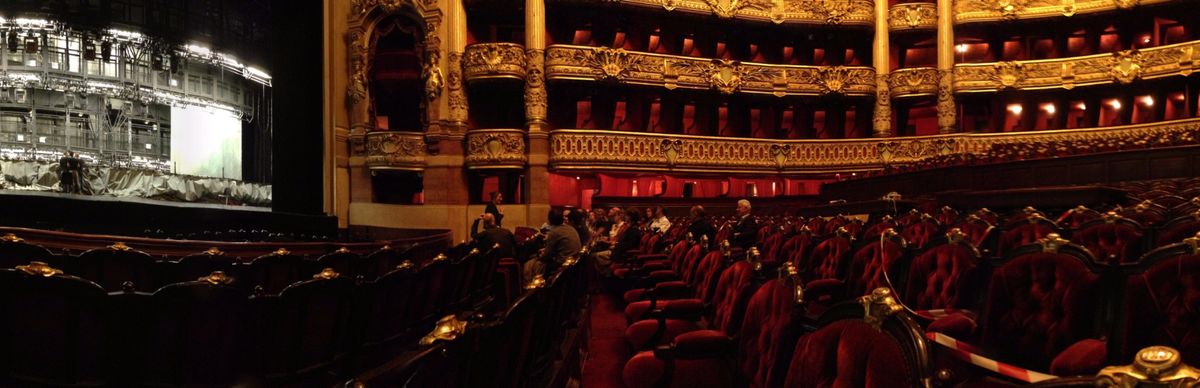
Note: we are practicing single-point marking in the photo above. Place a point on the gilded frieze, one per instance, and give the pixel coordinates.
(494, 60)
(974, 11)
(917, 81)
(395, 150)
(797, 12)
(565, 62)
(496, 148)
(912, 16)
(1120, 67)
(601, 149)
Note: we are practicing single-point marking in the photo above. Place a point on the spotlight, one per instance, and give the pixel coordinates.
(1148, 101)
(1015, 109)
(106, 51)
(1115, 104)
(960, 48)
(1081, 106)
(1049, 108)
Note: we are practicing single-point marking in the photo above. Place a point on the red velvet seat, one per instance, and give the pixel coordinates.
(772, 246)
(1112, 240)
(946, 277)
(113, 266)
(978, 232)
(1024, 232)
(1147, 213)
(987, 215)
(184, 342)
(875, 263)
(1178, 229)
(301, 330)
(827, 259)
(1077, 216)
(1162, 303)
(698, 359)
(946, 216)
(1042, 301)
(765, 343)
(798, 247)
(15, 251)
(878, 227)
(734, 288)
(273, 272)
(920, 233)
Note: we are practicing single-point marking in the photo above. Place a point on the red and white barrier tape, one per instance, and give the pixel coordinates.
(969, 353)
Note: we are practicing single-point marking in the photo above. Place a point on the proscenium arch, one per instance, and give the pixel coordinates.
(365, 20)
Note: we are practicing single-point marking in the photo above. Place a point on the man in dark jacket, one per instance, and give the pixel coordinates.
(562, 241)
(701, 227)
(745, 232)
(628, 238)
(493, 234)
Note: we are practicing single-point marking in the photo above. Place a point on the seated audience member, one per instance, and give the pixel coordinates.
(576, 219)
(659, 222)
(701, 226)
(628, 238)
(496, 199)
(493, 234)
(745, 233)
(561, 242)
(599, 223)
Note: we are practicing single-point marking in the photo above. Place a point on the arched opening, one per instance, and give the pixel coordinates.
(396, 85)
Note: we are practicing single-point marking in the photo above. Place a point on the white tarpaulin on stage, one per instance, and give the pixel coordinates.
(128, 182)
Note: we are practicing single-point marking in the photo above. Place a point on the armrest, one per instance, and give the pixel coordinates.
(649, 257)
(822, 290)
(1085, 357)
(696, 345)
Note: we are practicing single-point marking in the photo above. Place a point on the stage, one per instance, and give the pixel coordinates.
(133, 216)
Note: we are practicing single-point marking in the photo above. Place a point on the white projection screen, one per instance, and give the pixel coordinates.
(206, 142)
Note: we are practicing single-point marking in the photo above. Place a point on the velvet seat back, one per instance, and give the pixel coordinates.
(1178, 229)
(1024, 233)
(14, 252)
(301, 329)
(763, 333)
(734, 288)
(1162, 306)
(112, 267)
(194, 334)
(797, 248)
(847, 353)
(919, 234)
(826, 260)
(707, 275)
(54, 329)
(938, 278)
(1038, 304)
(1111, 243)
(771, 248)
(872, 265)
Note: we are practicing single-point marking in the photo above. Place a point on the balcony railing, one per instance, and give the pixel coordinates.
(494, 60)
(1120, 67)
(801, 12)
(496, 148)
(912, 16)
(609, 150)
(395, 150)
(564, 62)
(917, 81)
(975, 11)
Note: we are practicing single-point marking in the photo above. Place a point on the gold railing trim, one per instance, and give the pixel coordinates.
(496, 148)
(216, 277)
(820, 12)
(913, 82)
(494, 61)
(447, 329)
(912, 17)
(395, 150)
(12, 238)
(326, 273)
(976, 11)
(38, 268)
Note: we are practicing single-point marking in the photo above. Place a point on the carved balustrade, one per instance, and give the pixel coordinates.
(494, 60)
(496, 148)
(395, 150)
(975, 11)
(609, 150)
(800, 12)
(917, 81)
(565, 62)
(1121, 67)
(912, 16)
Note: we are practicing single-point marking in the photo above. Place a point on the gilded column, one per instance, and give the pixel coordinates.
(883, 105)
(947, 111)
(535, 111)
(457, 37)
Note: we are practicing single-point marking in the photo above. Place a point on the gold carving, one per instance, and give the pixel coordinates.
(342, 250)
(120, 246)
(217, 277)
(1052, 242)
(882, 120)
(448, 328)
(405, 265)
(363, 19)
(326, 274)
(780, 153)
(454, 87)
(1008, 74)
(359, 62)
(955, 236)
(800, 12)
(535, 86)
(281, 252)
(879, 305)
(1126, 66)
(593, 149)
(494, 60)
(670, 149)
(918, 81)
(401, 150)
(947, 110)
(214, 251)
(11, 238)
(911, 16)
(1159, 366)
(38, 268)
(496, 148)
(440, 257)
(564, 62)
(537, 282)
(1194, 241)
(975, 11)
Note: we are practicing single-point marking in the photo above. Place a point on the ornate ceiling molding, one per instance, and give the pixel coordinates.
(1121, 67)
(912, 17)
(977, 11)
(584, 63)
(609, 150)
(496, 148)
(795, 12)
(917, 81)
(395, 150)
(494, 60)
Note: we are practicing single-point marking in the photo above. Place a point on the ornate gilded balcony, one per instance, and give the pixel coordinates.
(395, 150)
(912, 16)
(609, 150)
(1121, 68)
(917, 81)
(975, 11)
(496, 148)
(798, 12)
(494, 60)
(565, 62)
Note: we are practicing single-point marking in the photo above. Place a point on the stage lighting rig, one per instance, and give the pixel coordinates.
(14, 41)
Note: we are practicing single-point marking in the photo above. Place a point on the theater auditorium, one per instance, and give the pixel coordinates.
(600, 193)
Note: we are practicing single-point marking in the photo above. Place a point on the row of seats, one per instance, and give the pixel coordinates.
(219, 330)
(1041, 306)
